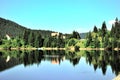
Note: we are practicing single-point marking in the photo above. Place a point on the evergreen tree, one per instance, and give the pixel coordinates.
(95, 29)
(117, 28)
(112, 31)
(75, 35)
(106, 41)
(89, 39)
(96, 42)
(118, 44)
(31, 39)
(104, 29)
(38, 41)
(114, 42)
(26, 36)
(46, 42)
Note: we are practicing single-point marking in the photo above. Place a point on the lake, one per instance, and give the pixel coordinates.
(59, 65)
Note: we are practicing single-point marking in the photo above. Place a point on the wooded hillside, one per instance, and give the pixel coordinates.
(13, 29)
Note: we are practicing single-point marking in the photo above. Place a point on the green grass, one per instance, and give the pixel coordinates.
(81, 43)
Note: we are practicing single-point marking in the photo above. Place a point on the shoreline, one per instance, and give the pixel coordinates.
(49, 48)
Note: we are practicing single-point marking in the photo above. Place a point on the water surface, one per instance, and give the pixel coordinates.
(59, 65)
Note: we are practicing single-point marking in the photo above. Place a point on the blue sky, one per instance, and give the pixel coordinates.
(60, 15)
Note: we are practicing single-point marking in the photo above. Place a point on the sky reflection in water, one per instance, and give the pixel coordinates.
(47, 69)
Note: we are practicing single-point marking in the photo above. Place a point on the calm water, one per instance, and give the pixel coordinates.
(59, 65)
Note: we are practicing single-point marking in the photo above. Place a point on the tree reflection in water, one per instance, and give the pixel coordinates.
(99, 59)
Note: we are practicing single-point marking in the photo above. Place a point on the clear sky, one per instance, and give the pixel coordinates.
(60, 15)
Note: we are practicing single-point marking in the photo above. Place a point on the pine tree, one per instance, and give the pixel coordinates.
(31, 39)
(89, 39)
(95, 29)
(114, 42)
(106, 41)
(38, 40)
(26, 36)
(112, 31)
(96, 42)
(104, 29)
(76, 35)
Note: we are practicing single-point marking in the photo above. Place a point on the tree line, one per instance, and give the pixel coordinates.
(104, 38)
(23, 37)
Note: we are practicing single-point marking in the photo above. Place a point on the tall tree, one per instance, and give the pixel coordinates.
(112, 31)
(114, 42)
(38, 41)
(26, 36)
(95, 29)
(106, 41)
(31, 39)
(96, 42)
(117, 28)
(104, 29)
(89, 39)
(76, 35)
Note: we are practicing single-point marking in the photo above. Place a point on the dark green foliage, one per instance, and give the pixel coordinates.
(38, 41)
(89, 39)
(46, 42)
(60, 43)
(54, 42)
(31, 38)
(96, 42)
(117, 28)
(26, 36)
(0, 42)
(114, 43)
(104, 29)
(115, 33)
(13, 29)
(95, 29)
(108, 39)
(75, 35)
(77, 48)
(72, 42)
(10, 28)
(112, 31)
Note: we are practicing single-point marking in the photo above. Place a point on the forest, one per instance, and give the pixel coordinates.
(99, 61)
(103, 38)
(24, 37)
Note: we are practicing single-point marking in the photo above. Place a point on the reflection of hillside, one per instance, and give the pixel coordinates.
(9, 59)
(34, 57)
(6, 65)
(18, 57)
(101, 59)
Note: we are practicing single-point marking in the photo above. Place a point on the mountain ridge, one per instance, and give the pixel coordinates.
(14, 29)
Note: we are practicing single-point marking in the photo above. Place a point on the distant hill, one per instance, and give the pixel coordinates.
(13, 29)
(83, 35)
